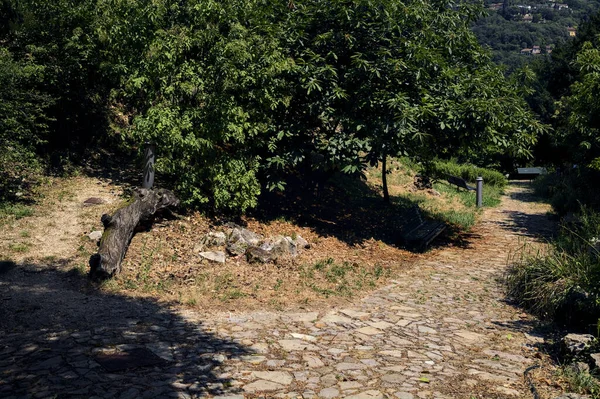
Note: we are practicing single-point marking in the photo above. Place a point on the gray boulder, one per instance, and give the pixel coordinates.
(280, 246)
(301, 243)
(240, 239)
(259, 255)
(574, 344)
(596, 360)
(211, 239)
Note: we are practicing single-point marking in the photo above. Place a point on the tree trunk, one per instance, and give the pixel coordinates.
(120, 228)
(386, 193)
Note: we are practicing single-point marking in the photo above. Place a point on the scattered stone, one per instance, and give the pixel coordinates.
(259, 255)
(280, 246)
(573, 344)
(301, 243)
(240, 239)
(596, 360)
(580, 367)
(211, 239)
(214, 256)
(95, 235)
(404, 395)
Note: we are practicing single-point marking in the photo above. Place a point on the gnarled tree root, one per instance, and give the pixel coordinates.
(120, 228)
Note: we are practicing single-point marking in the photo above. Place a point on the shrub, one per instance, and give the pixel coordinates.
(569, 190)
(564, 284)
(23, 124)
(440, 169)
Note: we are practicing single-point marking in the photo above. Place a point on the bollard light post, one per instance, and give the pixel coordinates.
(149, 156)
(479, 192)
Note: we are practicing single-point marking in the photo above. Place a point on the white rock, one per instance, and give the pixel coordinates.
(214, 256)
(304, 337)
(95, 235)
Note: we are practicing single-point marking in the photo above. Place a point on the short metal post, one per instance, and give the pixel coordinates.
(479, 192)
(149, 156)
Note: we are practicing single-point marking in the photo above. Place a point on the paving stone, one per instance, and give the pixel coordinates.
(279, 377)
(304, 337)
(445, 319)
(329, 393)
(262, 386)
(369, 330)
(367, 395)
(297, 345)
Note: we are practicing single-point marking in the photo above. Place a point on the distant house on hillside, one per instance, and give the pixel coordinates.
(527, 18)
(572, 32)
(548, 49)
(560, 6)
(495, 6)
(526, 51)
(536, 50)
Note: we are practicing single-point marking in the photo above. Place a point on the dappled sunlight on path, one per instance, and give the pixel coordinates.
(443, 329)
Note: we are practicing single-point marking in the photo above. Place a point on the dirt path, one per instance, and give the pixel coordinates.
(444, 330)
(60, 221)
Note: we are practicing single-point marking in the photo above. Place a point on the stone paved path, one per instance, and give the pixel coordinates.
(442, 330)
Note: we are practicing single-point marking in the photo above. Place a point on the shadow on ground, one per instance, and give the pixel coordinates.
(345, 208)
(537, 225)
(527, 195)
(56, 329)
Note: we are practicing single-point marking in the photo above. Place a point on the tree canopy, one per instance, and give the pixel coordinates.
(240, 96)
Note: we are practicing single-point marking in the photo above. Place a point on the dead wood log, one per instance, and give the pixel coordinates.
(120, 228)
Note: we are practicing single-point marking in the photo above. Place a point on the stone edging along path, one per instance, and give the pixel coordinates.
(442, 330)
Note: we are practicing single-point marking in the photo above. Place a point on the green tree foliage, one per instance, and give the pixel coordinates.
(389, 78)
(60, 36)
(579, 112)
(202, 79)
(23, 123)
(239, 96)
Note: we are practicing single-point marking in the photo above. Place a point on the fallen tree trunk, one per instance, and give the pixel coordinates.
(120, 228)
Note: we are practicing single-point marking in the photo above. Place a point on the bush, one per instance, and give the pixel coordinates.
(23, 124)
(569, 190)
(564, 284)
(440, 169)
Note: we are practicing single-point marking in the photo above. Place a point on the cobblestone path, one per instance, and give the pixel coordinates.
(442, 330)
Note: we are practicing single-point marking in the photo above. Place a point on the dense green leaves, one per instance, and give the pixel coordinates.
(239, 96)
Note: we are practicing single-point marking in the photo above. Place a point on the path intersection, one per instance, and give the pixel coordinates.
(442, 330)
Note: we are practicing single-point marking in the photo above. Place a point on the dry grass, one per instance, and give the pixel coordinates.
(163, 263)
(351, 254)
